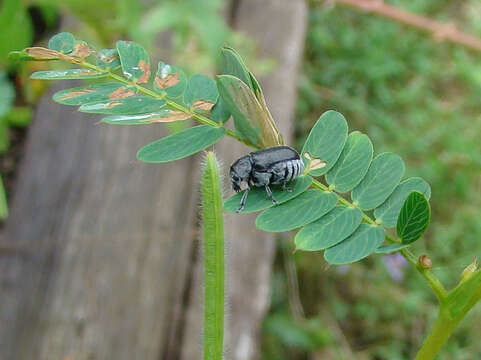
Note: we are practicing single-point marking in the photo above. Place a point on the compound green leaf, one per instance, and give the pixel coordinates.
(414, 218)
(352, 164)
(232, 64)
(258, 200)
(93, 93)
(108, 59)
(181, 144)
(302, 210)
(162, 116)
(63, 42)
(388, 212)
(75, 74)
(170, 80)
(329, 230)
(363, 242)
(326, 140)
(390, 248)
(128, 106)
(201, 92)
(134, 60)
(384, 174)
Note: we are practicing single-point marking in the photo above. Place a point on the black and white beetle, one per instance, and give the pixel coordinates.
(274, 165)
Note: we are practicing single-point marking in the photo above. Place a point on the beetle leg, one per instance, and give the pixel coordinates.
(269, 193)
(243, 199)
(284, 188)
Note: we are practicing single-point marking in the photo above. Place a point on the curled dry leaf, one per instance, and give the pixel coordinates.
(146, 72)
(41, 53)
(168, 81)
(203, 105)
(122, 93)
(313, 163)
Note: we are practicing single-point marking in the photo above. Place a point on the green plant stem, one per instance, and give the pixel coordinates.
(430, 278)
(441, 331)
(213, 259)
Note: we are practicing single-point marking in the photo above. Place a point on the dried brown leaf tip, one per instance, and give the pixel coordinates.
(73, 94)
(167, 81)
(203, 105)
(172, 116)
(41, 53)
(81, 50)
(146, 72)
(122, 93)
(113, 104)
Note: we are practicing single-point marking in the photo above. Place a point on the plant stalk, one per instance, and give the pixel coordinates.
(213, 259)
(442, 329)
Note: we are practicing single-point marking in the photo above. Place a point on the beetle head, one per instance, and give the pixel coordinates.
(240, 171)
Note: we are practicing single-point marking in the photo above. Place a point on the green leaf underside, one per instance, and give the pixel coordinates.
(134, 60)
(220, 113)
(353, 163)
(108, 59)
(140, 119)
(181, 144)
(232, 64)
(329, 230)
(63, 42)
(86, 94)
(326, 140)
(414, 218)
(200, 87)
(388, 212)
(363, 242)
(128, 106)
(228, 89)
(300, 211)
(170, 79)
(69, 74)
(390, 248)
(258, 200)
(383, 176)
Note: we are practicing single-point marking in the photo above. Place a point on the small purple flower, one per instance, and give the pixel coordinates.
(343, 269)
(394, 265)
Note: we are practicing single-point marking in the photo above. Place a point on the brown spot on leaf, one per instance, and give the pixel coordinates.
(168, 81)
(108, 59)
(81, 50)
(146, 72)
(113, 104)
(171, 117)
(203, 105)
(73, 94)
(121, 93)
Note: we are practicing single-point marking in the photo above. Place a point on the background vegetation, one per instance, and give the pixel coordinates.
(417, 98)
(413, 96)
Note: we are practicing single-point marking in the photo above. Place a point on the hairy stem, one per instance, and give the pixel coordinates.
(213, 260)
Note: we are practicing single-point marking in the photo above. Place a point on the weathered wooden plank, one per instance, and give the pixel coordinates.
(104, 243)
(278, 27)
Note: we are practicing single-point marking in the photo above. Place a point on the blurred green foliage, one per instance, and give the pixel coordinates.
(420, 99)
